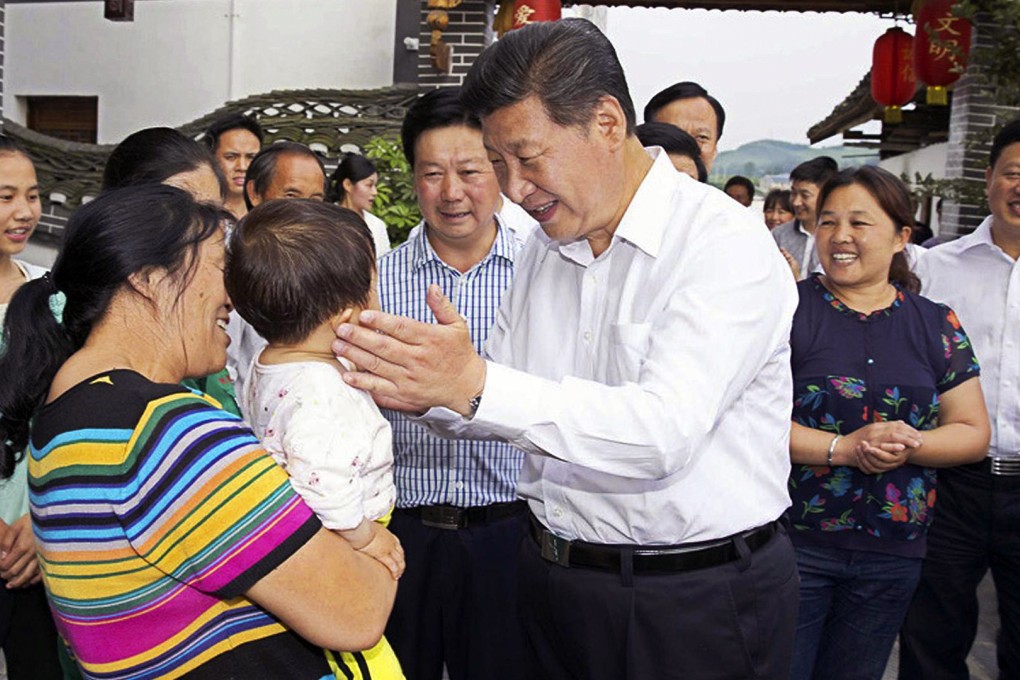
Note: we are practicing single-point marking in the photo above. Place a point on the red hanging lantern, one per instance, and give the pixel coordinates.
(892, 72)
(941, 48)
(531, 11)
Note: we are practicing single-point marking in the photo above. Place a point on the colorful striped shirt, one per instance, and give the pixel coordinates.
(154, 512)
(427, 469)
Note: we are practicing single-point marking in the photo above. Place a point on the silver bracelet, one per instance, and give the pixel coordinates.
(832, 448)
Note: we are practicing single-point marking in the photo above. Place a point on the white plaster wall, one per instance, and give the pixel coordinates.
(923, 161)
(928, 159)
(180, 59)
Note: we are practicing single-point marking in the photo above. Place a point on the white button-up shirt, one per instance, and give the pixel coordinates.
(650, 387)
(981, 283)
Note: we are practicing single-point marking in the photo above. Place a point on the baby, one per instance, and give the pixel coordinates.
(296, 269)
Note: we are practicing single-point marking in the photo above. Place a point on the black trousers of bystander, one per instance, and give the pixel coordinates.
(457, 600)
(976, 528)
(27, 634)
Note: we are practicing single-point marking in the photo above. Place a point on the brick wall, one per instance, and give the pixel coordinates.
(469, 32)
(972, 121)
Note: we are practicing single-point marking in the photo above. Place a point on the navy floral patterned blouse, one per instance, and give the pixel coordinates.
(852, 369)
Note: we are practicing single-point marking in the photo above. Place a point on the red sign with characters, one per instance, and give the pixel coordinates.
(530, 11)
(940, 48)
(892, 72)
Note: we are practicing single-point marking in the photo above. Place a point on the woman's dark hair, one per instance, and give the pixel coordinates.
(352, 166)
(894, 199)
(293, 264)
(568, 64)
(818, 171)
(154, 155)
(438, 108)
(121, 232)
(780, 196)
(673, 140)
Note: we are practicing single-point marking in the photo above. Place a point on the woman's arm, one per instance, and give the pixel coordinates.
(811, 447)
(329, 594)
(963, 432)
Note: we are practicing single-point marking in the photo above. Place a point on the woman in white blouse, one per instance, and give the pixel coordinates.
(354, 185)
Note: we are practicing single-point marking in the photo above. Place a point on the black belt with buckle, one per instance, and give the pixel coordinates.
(686, 557)
(451, 517)
(1004, 467)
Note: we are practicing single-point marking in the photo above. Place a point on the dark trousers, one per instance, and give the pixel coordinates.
(976, 528)
(457, 601)
(27, 634)
(734, 621)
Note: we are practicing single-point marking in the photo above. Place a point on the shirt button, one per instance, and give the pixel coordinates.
(870, 361)
(557, 512)
(587, 336)
(459, 485)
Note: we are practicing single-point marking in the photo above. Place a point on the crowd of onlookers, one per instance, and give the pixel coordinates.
(584, 415)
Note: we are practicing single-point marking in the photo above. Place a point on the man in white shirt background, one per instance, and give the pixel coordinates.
(691, 108)
(640, 360)
(977, 519)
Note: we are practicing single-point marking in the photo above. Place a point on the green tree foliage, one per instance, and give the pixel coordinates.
(396, 203)
(999, 59)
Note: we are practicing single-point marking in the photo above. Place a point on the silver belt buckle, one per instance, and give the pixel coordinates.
(441, 517)
(1007, 467)
(555, 549)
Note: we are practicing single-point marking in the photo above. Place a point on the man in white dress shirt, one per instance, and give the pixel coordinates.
(640, 360)
(977, 515)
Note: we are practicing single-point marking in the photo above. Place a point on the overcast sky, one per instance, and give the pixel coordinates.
(776, 73)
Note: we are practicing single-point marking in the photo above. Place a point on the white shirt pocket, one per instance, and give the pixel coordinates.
(628, 348)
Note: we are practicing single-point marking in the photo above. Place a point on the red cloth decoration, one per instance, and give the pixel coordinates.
(892, 72)
(941, 48)
(530, 11)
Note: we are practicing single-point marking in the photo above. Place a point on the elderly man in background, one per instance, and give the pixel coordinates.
(284, 170)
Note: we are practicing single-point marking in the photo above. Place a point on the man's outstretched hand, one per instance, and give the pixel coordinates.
(408, 365)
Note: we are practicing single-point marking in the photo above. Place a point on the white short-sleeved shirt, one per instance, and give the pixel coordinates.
(329, 437)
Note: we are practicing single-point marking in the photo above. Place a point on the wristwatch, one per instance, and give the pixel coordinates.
(473, 405)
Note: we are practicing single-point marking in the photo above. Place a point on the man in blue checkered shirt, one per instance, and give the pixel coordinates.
(458, 516)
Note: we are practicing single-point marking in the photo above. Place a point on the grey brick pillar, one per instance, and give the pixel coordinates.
(972, 121)
(469, 32)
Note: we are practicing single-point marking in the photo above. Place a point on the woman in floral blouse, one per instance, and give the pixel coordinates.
(885, 391)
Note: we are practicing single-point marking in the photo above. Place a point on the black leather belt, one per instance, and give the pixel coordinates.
(686, 557)
(451, 517)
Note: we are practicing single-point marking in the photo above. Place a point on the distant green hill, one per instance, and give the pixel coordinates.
(772, 157)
